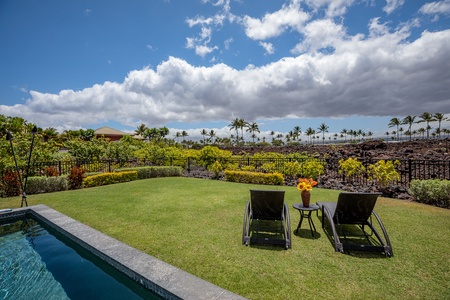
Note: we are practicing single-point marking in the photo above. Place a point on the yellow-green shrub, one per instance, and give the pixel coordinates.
(216, 167)
(384, 172)
(254, 177)
(312, 168)
(292, 168)
(154, 171)
(109, 178)
(351, 167)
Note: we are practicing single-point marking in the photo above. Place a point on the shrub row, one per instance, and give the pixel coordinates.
(109, 178)
(10, 185)
(432, 191)
(40, 184)
(154, 171)
(254, 177)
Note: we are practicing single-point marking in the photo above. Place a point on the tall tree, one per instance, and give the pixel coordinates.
(253, 128)
(212, 134)
(410, 121)
(395, 122)
(49, 133)
(344, 132)
(297, 132)
(310, 132)
(426, 117)
(440, 117)
(140, 130)
(184, 134)
(322, 129)
(204, 133)
(236, 125)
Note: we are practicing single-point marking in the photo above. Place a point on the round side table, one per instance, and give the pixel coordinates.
(305, 213)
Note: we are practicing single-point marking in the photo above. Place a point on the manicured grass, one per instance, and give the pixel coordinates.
(196, 225)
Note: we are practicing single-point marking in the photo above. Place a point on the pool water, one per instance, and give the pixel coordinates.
(37, 264)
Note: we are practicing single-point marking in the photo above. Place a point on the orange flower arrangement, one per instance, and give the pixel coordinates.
(306, 184)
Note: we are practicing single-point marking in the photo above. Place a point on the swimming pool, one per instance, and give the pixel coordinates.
(37, 263)
(161, 278)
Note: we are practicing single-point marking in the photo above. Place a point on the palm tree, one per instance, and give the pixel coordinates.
(242, 125)
(323, 128)
(140, 130)
(446, 131)
(203, 133)
(178, 135)
(344, 134)
(297, 132)
(235, 125)
(238, 124)
(409, 120)
(184, 134)
(310, 132)
(211, 134)
(253, 128)
(440, 117)
(49, 133)
(421, 131)
(395, 122)
(387, 135)
(272, 133)
(426, 117)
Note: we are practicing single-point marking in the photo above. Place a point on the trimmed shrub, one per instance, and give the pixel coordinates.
(51, 171)
(39, 185)
(110, 178)
(432, 191)
(254, 177)
(75, 179)
(154, 171)
(10, 184)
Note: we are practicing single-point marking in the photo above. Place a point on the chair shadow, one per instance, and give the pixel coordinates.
(306, 234)
(354, 253)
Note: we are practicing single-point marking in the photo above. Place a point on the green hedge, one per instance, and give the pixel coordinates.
(40, 184)
(154, 171)
(109, 178)
(254, 177)
(431, 191)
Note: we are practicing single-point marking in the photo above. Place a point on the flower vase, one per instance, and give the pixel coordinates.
(306, 198)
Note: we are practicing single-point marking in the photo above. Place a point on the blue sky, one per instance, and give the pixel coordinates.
(199, 64)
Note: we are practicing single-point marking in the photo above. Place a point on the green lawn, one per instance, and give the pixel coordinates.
(196, 225)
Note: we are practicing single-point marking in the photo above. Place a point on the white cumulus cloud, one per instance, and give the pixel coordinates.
(377, 75)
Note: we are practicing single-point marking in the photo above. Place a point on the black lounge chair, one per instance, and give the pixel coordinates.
(266, 219)
(355, 209)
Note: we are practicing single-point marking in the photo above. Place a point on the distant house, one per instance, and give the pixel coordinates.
(109, 133)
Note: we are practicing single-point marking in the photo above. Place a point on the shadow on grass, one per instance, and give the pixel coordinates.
(306, 234)
(352, 238)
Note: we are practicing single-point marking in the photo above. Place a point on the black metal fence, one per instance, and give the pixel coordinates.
(408, 169)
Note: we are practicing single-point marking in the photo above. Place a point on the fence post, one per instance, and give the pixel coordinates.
(409, 171)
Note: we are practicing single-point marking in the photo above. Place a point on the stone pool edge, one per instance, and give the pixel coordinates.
(161, 278)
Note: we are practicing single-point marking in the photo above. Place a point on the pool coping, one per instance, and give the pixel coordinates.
(163, 279)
